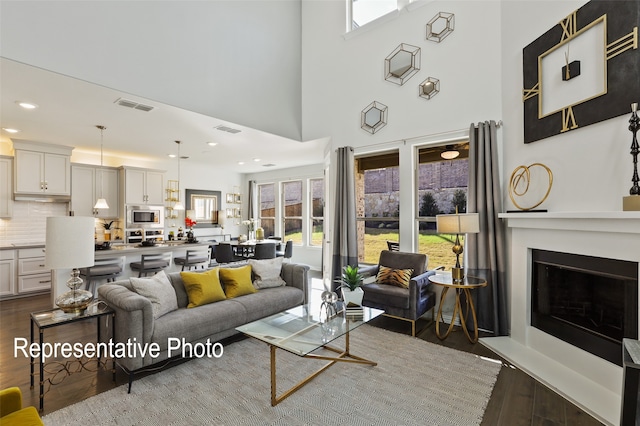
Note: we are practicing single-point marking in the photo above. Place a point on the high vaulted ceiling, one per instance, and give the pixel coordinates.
(69, 109)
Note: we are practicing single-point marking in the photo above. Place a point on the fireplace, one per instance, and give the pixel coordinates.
(589, 302)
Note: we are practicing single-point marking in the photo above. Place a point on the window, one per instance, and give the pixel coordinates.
(317, 211)
(292, 210)
(377, 204)
(365, 11)
(442, 187)
(267, 203)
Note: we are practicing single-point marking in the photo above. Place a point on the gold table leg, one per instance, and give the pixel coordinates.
(458, 313)
(344, 356)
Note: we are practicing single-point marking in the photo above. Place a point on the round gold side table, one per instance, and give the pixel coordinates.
(469, 283)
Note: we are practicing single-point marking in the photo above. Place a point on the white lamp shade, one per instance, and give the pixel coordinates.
(70, 242)
(221, 218)
(467, 223)
(101, 204)
(178, 206)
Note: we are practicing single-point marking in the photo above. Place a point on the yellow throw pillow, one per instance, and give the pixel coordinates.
(397, 277)
(237, 281)
(202, 287)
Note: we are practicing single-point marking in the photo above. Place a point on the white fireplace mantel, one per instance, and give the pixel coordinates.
(590, 382)
(622, 222)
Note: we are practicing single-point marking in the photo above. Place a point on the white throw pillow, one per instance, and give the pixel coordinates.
(159, 291)
(267, 273)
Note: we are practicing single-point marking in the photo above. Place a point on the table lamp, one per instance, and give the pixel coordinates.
(465, 223)
(70, 245)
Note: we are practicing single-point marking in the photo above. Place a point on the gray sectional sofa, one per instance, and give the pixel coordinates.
(134, 317)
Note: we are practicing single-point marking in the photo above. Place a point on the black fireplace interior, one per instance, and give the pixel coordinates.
(589, 302)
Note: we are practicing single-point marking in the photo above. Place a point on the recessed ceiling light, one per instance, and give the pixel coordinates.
(27, 105)
(172, 155)
(240, 163)
(212, 143)
(9, 130)
(256, 160)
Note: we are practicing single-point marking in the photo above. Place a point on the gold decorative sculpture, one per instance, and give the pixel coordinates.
(521, 180)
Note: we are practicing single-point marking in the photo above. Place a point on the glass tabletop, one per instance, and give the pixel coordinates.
(303, 329)
(51, 317)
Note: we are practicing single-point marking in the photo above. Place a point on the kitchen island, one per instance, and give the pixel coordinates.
(128, 253)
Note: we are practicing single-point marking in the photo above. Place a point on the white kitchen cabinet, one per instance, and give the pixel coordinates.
(143, 186)
(7, 273)
(32, 274)
(6, 180)
(87, 183)
(41, 169)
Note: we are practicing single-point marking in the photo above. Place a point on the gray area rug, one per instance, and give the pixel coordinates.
(414, 383)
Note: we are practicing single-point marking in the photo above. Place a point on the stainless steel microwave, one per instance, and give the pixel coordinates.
(145, 217)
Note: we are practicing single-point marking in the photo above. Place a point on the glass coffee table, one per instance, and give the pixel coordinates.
(305, 329)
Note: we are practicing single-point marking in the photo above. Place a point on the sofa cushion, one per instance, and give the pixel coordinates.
(266, 272)
(237, 281)
(202, 287)
(159, 291)
(396, 277)
(198, 323)
(270, 301)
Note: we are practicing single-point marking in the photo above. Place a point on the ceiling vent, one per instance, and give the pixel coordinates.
(269, 165)
(132, 104)
(227, 129)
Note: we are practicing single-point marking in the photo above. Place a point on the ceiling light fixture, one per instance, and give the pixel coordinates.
(178, 205)
(101, 203)
(256, 160)
(212, 143)
(449, 153)
(27, 105)
(240, 163)
(10, 130)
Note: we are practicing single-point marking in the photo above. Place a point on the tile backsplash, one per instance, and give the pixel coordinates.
(29, 222)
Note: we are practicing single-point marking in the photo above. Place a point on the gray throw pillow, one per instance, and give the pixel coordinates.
(267, 273)
(159, 291)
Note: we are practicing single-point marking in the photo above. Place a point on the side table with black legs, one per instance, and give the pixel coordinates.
(467, 284)
(54, 318)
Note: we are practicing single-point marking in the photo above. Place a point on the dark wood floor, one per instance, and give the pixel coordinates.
(517, 399)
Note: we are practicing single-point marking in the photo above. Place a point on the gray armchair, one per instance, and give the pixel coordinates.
(407, 304)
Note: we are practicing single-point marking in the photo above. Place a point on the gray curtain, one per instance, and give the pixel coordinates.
(486, 251)
(345, 238)
(252, 199)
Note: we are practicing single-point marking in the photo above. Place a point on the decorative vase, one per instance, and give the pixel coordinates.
(259, 233)
(352, 296)
(107, 235)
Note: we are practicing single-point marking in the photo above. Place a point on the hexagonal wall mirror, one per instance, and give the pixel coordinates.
(373, 117)
(429, 88)
(402, 64)
(440, 26)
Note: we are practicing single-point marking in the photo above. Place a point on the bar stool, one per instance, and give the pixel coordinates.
(194, 257)
(108, 269)
(152, 262)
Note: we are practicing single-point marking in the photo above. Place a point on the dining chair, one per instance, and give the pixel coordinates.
(264, 251)
(224, 254)
(287, 253)
(393, 245)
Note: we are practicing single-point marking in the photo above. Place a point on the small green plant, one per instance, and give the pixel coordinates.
(351, 278)
(107, 225)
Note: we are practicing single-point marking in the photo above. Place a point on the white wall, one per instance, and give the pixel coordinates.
(591, 166)
(342, 75)
(234, 60)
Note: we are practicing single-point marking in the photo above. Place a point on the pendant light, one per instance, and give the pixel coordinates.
(178, 205)
(101, 203)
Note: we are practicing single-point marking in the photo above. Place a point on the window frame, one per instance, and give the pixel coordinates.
(313, 218)
(283, 210)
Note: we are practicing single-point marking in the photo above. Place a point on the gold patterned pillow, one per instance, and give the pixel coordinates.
(397, 277)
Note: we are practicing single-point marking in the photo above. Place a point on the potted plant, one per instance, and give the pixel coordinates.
(351, 281)
(107, 230)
